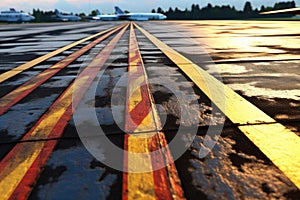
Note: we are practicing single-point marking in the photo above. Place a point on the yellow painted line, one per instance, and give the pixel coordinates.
(11, 175)
(20, 159)
(140, 185)
(140, 179)
(278, 143)
(22, 91)
(23, 67)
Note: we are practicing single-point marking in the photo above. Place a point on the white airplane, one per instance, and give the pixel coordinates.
(295, 11)
(65, 18)
(139, 16)
(15, 16)
(99, 16)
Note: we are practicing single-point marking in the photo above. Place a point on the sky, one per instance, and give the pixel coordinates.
(107, 6)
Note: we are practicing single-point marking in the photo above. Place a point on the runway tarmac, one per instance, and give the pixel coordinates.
(213, 107)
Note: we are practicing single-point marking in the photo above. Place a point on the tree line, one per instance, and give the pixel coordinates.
(223, 12)
(194, 13)
(50, 16)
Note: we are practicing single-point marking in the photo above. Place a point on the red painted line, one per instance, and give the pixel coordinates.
(166, 183)
(141, 110)
(136, 57)
(125, 166)
(170, 171)
(22, 91)
(161, 180)
(24, 188)
(133, 118)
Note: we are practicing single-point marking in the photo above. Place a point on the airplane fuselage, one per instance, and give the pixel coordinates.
(139, 16)
(144, 16)
(295, 11)
(131, 17)
(15, 16)
(106, 17)
(65, 18)
(68, 18)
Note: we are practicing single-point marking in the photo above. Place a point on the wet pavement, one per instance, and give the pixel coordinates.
(259, 60)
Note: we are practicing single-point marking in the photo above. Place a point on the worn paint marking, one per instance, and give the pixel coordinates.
(145, 152)
(22, 91)
(22, 165)
(278, 143)
(30, 64)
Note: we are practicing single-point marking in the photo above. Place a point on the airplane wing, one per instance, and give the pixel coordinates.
(295, 11)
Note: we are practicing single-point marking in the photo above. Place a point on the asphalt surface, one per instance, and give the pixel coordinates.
(259, 60)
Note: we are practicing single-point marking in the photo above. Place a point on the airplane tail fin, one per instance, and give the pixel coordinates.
(57, 12)
(119, 11)
(98, 12)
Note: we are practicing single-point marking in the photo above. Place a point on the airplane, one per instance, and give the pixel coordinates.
(99, 16)
(139, 16)
(63, 17)
(15, 16)
(295, 11)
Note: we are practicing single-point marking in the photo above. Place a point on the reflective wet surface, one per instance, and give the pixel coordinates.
(259, 60)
